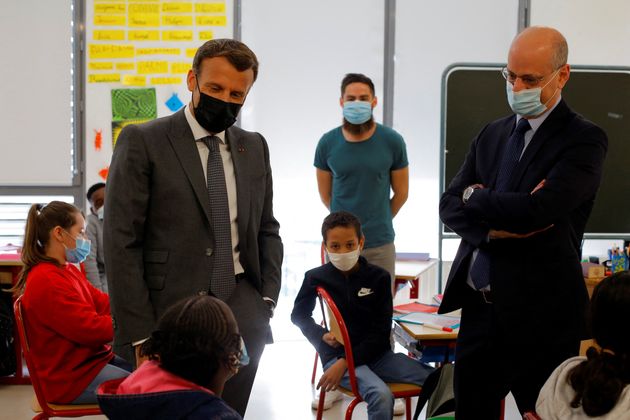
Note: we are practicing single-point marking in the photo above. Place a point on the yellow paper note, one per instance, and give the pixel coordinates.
(142, 35)
(103, 78)
(110, 51)
(141, 8)
(180, 68)
(109, 20)
(166, 80)
(158, 51)
(118, 35)
(100, 65)
(210, 7)
(177, 7)
(125, 66)
(134, 80)
(147, 67)
(211, 20)
(144, 19)
(177, 20)
(190, 52)
(205, 35)
(110, 8)
(177, 35)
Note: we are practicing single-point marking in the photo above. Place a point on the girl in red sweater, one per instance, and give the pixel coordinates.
(67, 320)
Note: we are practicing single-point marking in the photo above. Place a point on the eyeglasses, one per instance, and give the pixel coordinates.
(528, 79)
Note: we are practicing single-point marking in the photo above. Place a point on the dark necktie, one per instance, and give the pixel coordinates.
(480, 270)
(222, 281)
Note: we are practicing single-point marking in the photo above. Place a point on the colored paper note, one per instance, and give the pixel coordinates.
(98, 139)
(177, 7)
(128, 104)
(144, 19)
(117, 35)
(166, 80)
(110, 8)
(205, 35)
(110, 51)
(180, 68)
(134, 80)
(190, 52)
(211, 20)
(144, 8)
(158, 51)
(100, 65)
(103, 173)
(109, 20)
(174, 103)
(125, 66)
(177, 20)
(104, 78)
(177, 35)
(152, 67)
(210, 7)
(117, 127)
(143, 35)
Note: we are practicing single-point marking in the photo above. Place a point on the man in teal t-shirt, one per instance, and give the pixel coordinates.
(357, 164)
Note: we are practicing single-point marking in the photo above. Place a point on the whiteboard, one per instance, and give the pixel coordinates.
(140, 45)
(35, 110)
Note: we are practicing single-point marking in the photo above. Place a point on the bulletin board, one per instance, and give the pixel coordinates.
(137, 56)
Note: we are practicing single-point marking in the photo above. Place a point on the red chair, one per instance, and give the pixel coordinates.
(41, 406)
(322, 255)
(338, 327)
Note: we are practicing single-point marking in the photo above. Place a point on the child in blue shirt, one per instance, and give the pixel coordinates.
(362, 294)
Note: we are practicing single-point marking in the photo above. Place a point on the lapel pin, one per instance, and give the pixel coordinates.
(241, 149)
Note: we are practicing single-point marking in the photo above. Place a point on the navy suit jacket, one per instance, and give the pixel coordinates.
(537, 281)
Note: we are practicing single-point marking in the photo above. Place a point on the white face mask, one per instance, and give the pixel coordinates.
(100, 213)
(344, 262)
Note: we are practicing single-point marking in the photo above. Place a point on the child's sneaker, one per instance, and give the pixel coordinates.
(399, 406)
(331, 397)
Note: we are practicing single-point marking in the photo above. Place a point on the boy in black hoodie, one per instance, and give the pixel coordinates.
(362, 293)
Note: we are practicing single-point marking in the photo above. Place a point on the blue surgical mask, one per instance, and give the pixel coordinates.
(527, 101)
(357, 112)
(80, 252)
(100, 213)
(244, 359)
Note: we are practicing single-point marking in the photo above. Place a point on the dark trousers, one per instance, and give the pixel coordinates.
(252, 315)
(494, 357)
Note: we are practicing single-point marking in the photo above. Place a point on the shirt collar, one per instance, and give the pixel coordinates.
(198, 131)
(535, 123)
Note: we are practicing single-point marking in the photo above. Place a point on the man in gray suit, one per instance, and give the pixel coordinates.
(171, 213)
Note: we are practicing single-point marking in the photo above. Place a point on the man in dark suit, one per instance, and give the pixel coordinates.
(520, 203)
(190, 211)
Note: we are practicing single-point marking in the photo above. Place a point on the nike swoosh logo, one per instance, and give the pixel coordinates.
(364, 293)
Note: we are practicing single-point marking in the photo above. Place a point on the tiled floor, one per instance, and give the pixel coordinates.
(282, 390)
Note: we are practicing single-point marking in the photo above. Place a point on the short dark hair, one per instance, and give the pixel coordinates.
(93, 189)
(341, 218)
(237, 53)
(356, 78)
(194, 337)
(600, 379)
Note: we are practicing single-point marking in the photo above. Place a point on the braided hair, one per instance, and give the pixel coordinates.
(194, 337)
(600, 379)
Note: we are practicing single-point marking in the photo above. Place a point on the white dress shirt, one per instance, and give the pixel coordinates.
(230, 178)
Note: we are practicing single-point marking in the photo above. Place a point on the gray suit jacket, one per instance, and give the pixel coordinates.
(158, 236)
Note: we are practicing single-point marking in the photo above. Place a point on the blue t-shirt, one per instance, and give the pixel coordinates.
(361, 178)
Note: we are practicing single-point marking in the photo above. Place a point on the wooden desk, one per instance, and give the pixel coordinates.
(11, 266)
(431, 337)
(412, 272)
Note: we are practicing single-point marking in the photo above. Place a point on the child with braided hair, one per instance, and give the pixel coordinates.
(597, 385)
(195, 349)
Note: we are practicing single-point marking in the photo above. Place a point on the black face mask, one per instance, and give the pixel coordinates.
(214, 114)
